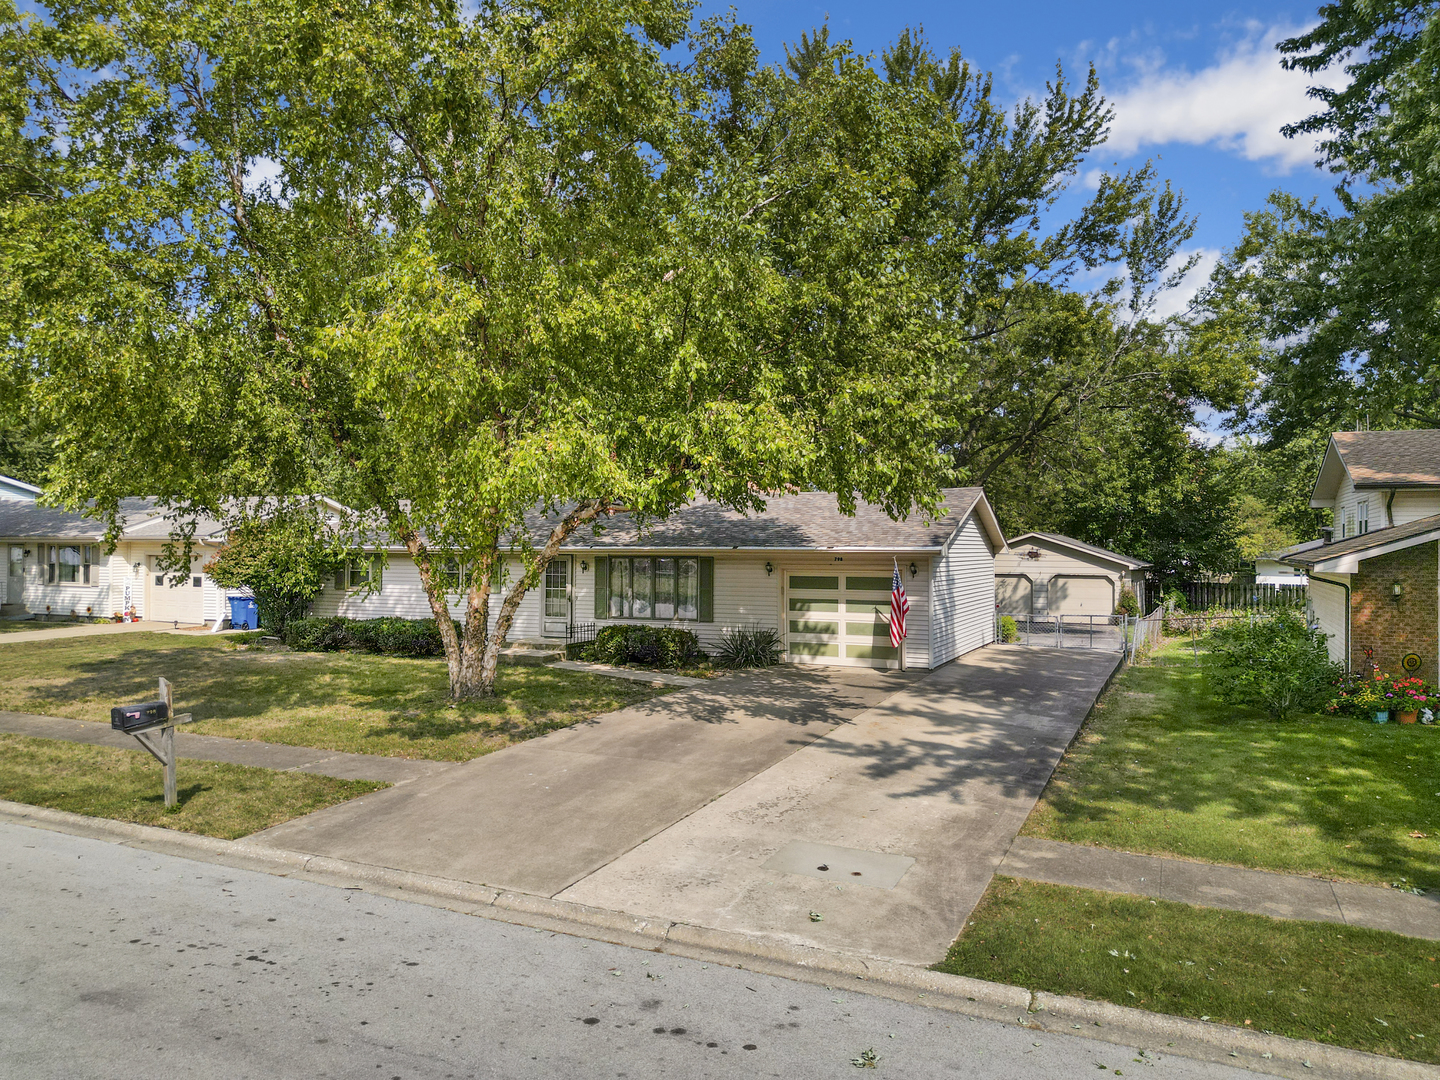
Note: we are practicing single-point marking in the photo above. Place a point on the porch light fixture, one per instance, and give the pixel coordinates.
(1396, 590)
(584, 566)
(913, 570)
(769, 569)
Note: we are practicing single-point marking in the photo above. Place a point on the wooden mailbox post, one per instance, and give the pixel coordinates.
(153, 724)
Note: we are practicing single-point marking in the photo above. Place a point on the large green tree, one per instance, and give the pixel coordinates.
(455, 266)
(1347, 293)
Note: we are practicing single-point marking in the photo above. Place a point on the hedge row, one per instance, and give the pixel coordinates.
(650, 646)
(389, 636)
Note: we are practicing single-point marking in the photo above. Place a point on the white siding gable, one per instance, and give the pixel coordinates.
(963, 592)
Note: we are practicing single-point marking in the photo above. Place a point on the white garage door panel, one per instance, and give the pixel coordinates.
(1013, 594)
(840, 618)
(182, 602)
(1082, 596)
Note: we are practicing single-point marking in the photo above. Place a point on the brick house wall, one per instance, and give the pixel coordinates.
(1394, 628)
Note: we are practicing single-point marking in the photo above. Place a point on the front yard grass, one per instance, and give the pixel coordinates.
(1162, 768)
(334, 701)
(215, 799)
(1365, 989)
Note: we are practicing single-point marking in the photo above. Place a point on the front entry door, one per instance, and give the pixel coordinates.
(557, 597)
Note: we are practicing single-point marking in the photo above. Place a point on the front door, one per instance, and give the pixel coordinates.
(15, 574)
(557, 597)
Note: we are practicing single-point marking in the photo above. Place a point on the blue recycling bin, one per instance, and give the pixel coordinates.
(244, 613)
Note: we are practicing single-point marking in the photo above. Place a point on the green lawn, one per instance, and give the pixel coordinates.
(1162, 768)
(336, 701)
(215, 799)
(15, 626)
(1364, 989)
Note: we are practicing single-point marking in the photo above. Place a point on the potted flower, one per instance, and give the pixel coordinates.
(1411, 695)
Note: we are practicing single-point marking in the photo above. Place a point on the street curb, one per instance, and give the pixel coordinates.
(1151, 1032)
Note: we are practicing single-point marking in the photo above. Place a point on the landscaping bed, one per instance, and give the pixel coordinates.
(335, 701)
(1347, 986)
(215, 799)
(1161, 767)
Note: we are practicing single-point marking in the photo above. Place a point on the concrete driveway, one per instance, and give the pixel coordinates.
(883, 802)
(540, 816)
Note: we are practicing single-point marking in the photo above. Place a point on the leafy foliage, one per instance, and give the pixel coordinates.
(649, 646)
(280, 561)
(1277, 664)
(749, 647)
(1129, 603)
(1009, 629)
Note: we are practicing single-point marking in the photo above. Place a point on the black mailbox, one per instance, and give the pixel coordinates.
(133, 717)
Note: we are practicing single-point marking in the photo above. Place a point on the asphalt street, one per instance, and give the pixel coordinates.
(119, 963)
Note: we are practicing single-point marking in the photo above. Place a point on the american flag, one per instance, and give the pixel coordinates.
(899, 608)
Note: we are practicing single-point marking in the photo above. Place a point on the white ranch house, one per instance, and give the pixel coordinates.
(819, 577)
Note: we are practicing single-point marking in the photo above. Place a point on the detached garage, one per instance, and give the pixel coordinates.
(1048, 574)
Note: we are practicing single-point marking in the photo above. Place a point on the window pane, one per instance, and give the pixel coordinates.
(687, 604)
(640, 584)
(359, 574)
(450, 571)
(619, 588)
(69, 564)
(557, 604)
(664, 588)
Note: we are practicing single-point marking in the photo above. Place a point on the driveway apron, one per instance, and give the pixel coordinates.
(943, 773)
(540, 816)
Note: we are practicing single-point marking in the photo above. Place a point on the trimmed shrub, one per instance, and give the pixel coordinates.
(1009, 630)
(385, 636)
(648, 646)
(754, 646)
(1277, 664)
(1128, 604)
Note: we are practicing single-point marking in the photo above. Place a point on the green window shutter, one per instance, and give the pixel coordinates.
(340, 581)
(377, 572)
(602, 588)
(707, 590)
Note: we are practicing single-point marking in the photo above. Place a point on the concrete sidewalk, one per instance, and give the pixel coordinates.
(1285, 896)
(941, 775)
(235, 751)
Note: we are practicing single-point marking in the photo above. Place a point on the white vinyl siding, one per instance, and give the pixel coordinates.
(963, 587)
(1326, 601)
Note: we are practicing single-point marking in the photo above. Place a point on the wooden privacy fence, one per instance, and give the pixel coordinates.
(1233, 596)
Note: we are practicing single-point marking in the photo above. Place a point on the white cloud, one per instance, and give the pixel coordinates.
(1176, 300)
(1238, 103)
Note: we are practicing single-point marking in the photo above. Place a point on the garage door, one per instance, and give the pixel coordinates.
(1082, 596)
(840, 619)
(175, 598)
(1012, 594)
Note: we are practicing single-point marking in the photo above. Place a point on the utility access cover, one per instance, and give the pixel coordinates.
(841, 865)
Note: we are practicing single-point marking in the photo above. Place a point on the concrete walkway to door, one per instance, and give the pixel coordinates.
(540, 816)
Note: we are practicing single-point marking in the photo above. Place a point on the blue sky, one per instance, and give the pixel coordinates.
(1196, 87)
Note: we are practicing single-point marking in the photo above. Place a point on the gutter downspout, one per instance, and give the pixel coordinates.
(1346, 587)
(1389, 512)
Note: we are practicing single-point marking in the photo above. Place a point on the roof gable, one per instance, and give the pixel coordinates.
(1378, 459)
(1082, 548)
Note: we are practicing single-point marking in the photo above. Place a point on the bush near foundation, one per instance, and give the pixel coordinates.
(386, 637)
(648, 646)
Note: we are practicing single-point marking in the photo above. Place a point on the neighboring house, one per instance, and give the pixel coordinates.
(819, 577)
(1043, 573)
(17, 490)
(1271, 570)
(1376, 584)
(55, 563)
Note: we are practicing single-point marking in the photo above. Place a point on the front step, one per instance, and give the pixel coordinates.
(530, 657)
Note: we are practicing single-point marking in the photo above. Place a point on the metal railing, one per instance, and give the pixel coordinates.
(579, 633)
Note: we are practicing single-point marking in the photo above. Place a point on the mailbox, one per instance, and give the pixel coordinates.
(135, 717)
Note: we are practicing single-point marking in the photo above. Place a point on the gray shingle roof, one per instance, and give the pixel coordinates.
(1080, 545)
(1358, 545)
(1293, 549)
(28, 520)
(810, 520)
(1382, 459)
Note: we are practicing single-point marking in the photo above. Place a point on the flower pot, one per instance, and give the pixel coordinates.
(1382, 716)
(1409, 717)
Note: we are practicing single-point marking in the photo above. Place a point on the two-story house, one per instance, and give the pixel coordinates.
(1375, 584)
